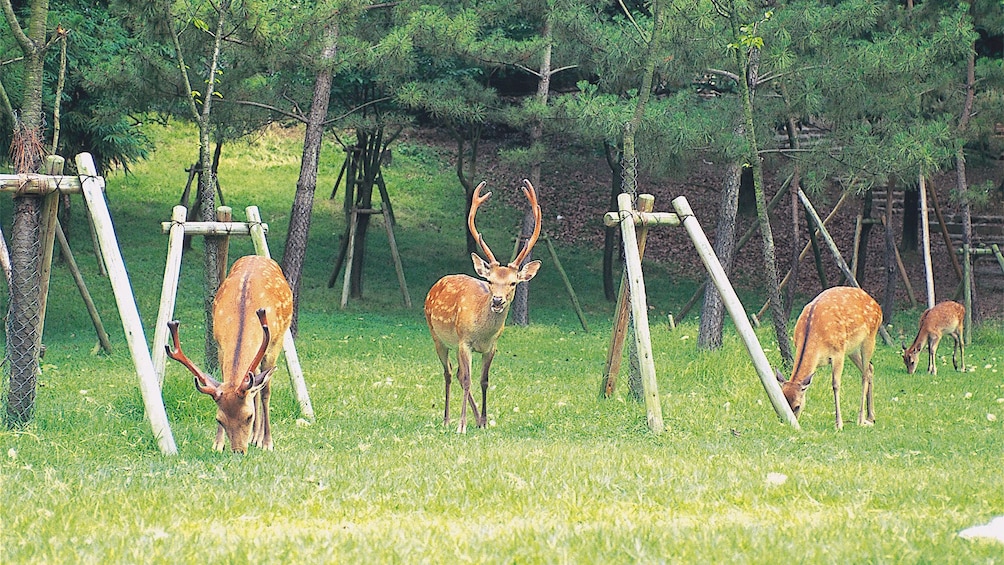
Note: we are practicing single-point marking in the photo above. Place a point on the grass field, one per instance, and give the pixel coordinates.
(559, 476)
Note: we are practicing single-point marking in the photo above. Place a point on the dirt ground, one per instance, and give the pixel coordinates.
(575, 192)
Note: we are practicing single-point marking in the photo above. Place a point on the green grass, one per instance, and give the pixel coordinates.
(560, 476)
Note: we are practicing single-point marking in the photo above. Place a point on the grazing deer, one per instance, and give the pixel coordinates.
(840, 321)
(255, 293)
(943, 318)
(468, 314)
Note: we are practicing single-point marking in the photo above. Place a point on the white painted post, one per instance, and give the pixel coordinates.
(735, 309)
(169, 291)
(639, 311)
(92, 185)
(296, 380)
(926, 238)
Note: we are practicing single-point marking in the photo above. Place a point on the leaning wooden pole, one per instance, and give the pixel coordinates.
(78, 278)
(92, 185)
(296, 380)
(639, 311)
(886, 338)
(735, 309)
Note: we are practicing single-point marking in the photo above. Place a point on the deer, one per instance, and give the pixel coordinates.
(252, 310)
(840, 321)
(943, 318)
(468, 314)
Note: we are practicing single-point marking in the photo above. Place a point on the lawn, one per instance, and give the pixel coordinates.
(558, 476)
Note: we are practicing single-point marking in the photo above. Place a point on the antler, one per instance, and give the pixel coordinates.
(249, 380)
(531, 195)
(476, 201)
(203, 381)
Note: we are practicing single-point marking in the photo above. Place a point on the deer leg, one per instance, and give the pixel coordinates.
(486, 363)
(932, 352)
(262, 404)
(838, 367)
(221, 436)
(861, 359)
(957, 337)
(464, 376)
(444, 358)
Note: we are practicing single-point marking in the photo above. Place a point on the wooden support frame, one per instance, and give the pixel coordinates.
(92, 187)
(350, 252)
(628, 219)
(177, 229)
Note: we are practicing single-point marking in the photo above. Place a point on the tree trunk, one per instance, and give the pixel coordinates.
(303, 199)
(611, 235)
(866, 230)
(709, 334)
(27, 148)
(911, 217)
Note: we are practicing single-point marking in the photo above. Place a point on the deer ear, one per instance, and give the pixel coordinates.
(780, 377)
(257, 381)
(481, 267)
(807, 381)
(529, 271)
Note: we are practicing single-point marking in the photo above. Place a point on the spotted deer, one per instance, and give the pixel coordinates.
(839, 321)
(252, 310)
(943, 318)
(468, 314)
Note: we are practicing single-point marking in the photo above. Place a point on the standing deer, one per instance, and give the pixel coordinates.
(840, 321)
(255, 291)
(468, 314)
(945, 317)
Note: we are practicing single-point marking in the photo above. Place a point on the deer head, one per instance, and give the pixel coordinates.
(255, 288)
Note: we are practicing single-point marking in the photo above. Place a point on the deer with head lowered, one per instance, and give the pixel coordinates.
(943, 318)
(468, 314)
(840, 321)
(251, 312)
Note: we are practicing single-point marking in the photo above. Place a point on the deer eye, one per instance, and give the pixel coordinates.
(249, 418)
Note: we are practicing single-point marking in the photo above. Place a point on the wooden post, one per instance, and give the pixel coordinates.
(296, 380)
(944, 230)
(47, 235)
(836, 253)
(997, 253)
(169, 289)
(224, 214)
(736, 310)
(92, 185)
(639, 311)
(349, 252)
(615, 354)
(926, 237)
(967, 291)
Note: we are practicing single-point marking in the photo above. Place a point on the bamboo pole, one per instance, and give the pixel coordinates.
(639, 312)
(736, 311)
(153, 402)
(646, 202)
(836, 254)
(293, 367)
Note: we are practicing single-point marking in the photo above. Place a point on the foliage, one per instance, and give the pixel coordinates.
(560, 477)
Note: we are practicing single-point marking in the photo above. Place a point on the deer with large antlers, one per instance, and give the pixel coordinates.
(468, 314)
(252, 310)
(946, 317)
(840, 321)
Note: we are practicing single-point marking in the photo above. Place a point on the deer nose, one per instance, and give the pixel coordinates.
(498, 303)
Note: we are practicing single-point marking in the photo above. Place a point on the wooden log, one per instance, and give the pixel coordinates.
(213, 228)
(639, 312)
(925, 230)
(736, 311)
(39, 184)
(92, 310)
(153, 402)
(639, 218)
(398, 267)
